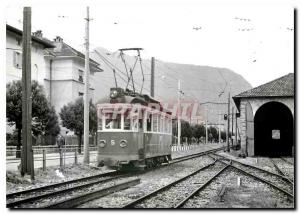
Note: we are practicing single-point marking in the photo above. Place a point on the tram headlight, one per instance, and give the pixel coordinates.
(123, 143)
(114, 94)
(102, 143)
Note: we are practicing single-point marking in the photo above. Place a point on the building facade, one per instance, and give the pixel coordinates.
(267, 118)
(14, 56)
(55, 65)
(65, 79)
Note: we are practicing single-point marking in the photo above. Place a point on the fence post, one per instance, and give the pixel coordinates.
(60, 158)
(44, 160)
(76, 155)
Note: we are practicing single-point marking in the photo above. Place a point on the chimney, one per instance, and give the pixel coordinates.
(38, 34)
(58, 42)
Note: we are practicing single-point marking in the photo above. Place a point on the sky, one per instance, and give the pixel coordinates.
(253, 38)
(164, 28)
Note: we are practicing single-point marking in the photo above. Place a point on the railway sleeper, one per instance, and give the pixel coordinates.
(221, 193)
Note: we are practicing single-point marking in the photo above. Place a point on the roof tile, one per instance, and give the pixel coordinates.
(283, 86)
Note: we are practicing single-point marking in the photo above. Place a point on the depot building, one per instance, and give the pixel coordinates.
(267, 118)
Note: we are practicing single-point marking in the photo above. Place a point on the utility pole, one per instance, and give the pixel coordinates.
(206, 121)
(228, 123)
(232, 117)
(152, 76)
(86, 157)
(27, 165)
(219, 127)
(236, 127)
(179, 112)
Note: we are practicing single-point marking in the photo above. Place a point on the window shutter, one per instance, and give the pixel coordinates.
(20, 60)
(17, 59)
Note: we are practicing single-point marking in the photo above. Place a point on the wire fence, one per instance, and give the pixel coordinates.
(11, 150)
(49, 156)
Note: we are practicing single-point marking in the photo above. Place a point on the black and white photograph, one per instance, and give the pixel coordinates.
(128, 104)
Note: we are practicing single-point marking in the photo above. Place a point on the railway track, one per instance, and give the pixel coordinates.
(277, 163)
(32, 197)
(85, 197)
(287, 161)
(38, 196)
(176, 194)
(14, 195)
(188, 157)
(276, 181)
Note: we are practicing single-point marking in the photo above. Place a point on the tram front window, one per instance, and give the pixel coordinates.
(112, 121)
(127, 125)
(149, 123)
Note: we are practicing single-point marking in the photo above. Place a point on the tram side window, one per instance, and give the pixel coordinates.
(158, 123)
(100, 123)
(155, 122)
(141, 124)
(135, 124)
(127, 125)
(162, 124)
(166, 125)
(112, 122)
(149, 123)
(170, 126)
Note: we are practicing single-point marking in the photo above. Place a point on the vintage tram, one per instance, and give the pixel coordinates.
(134, 131)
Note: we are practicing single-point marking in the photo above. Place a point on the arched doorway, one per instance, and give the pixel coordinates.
(273, 130)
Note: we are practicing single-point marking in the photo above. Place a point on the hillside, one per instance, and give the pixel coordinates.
(199, 83)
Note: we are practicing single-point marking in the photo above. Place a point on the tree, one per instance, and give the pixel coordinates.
(214, 132)
(72, 118)
(186, 130)
(40, 110)
(52, 128)
(198, 131)
(223, 135)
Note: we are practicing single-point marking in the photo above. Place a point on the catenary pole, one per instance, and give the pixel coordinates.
(27, 166)
(228, 123)
(236, 127)
(86, 157)
(179, 112)
(232, 117)
(152, 76)
(206, 121)
(219, 127)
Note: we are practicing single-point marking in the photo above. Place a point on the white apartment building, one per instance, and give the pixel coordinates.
(14, 56)
(55, 65)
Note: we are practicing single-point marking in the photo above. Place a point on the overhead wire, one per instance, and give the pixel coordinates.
(106, 61)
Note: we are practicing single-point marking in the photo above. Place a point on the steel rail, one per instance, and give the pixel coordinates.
(290, 195)
(181, 203)
(254, 167)
(187, 157)
(81, 199)
(279, 170)
(155, 192)
(287, 161)
(58, 192)
(112, 173)
(14, 194)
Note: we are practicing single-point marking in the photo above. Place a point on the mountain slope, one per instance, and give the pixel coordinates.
(200, 84)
